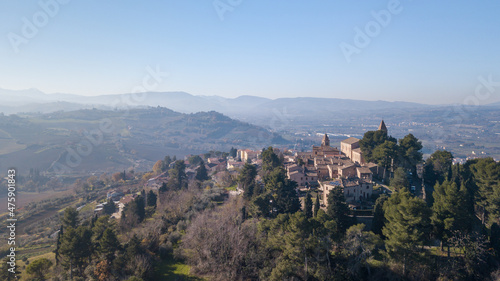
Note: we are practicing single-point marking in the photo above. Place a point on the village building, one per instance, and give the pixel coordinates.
(332, 168)
(245, 154)
(234, 165)
(301, 175)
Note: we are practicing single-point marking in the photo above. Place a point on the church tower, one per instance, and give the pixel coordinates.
(382, 126)
(325, 141)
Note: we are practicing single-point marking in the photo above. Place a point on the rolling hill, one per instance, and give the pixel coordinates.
(93, 141)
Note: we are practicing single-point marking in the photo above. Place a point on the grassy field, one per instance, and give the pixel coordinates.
(22, 265)
(171, 270)
(10, 145)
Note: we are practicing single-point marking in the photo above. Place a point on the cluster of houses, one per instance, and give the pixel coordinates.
(119, 198)
(325, 167)
(328, 168)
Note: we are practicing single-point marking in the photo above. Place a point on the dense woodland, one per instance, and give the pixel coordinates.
(269, 233)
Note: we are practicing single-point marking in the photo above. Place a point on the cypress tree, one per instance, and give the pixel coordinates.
(316, 205)
(308, 205)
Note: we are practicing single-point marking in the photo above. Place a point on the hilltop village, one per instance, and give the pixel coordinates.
(205, 211)
(323, 168)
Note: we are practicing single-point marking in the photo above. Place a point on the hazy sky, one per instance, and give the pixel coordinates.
(422, 51)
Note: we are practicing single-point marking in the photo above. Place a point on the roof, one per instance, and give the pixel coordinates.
(350, 140)
(346, 166)
(357, 150)
(382, 126)
(349, 183)
(364, 170)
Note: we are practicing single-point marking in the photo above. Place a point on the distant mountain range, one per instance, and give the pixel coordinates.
(33, 100)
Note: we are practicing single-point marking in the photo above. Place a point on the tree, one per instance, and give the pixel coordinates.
(293, 262)
(133, 213)
(371, 140)
(400, 179)
(151, 199)
(157, 167)
(117, 177)
(109, 244)
(385, 154)
(39, 268)
(407, 218)
(437, 166)
(109, 208)
(163, 188)
(195, 160)
(232, 152)
(76, 249)
(270, 160)
(338, 211)
(283, 190)
(246, 179)
(58, 245)
(6, 271)
(139, 205)
(409, 152)
(218, 243)
(178, 179)
(378, 214)
(359, 246)
(102, 270)
(249, 191)
(486, 173)
(449, 211)
(70, 217)
(201, 172)
(308, 206)
(166, 162)
(287, 199)
(316, 205)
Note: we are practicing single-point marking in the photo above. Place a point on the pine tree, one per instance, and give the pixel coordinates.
(284, 191)
(70, 217)
(109, 244)
(407, 219)
(338, 212)
(450, 212)
(270, 160)
(151, 199)
(201, 172)
(76, 249)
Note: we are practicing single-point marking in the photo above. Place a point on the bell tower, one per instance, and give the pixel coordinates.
(325, 141)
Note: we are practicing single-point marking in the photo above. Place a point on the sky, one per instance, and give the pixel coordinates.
(432, 52)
